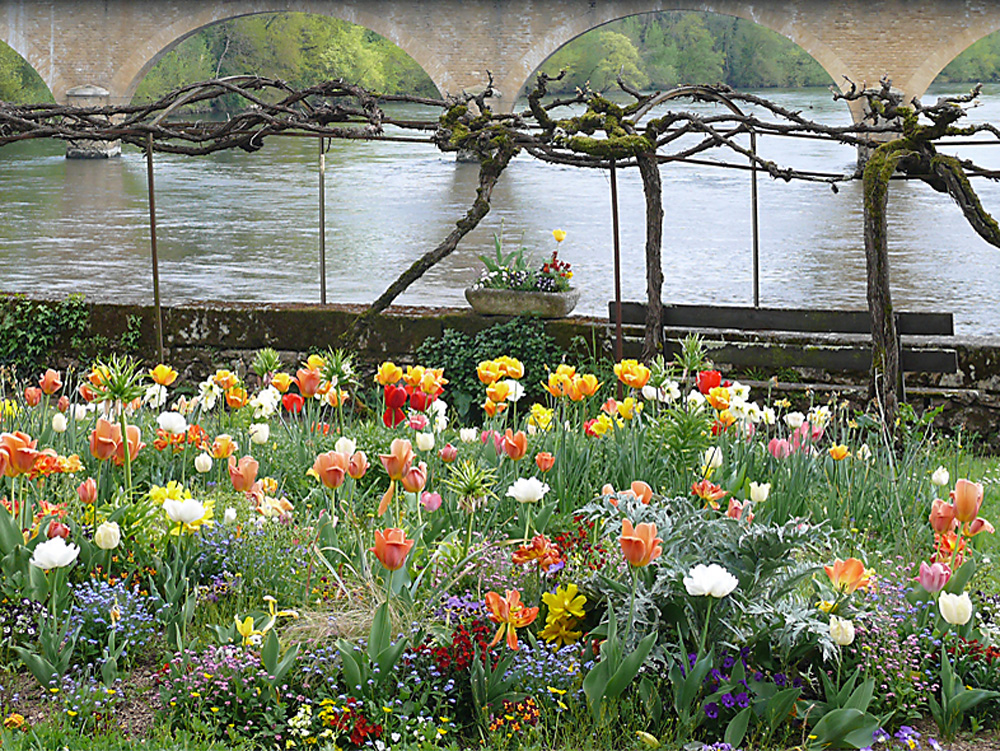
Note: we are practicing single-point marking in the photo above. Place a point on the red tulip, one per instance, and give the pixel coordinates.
(292, 403)
(244, 473)
(391, 548)
(708, 380)
(57, 529)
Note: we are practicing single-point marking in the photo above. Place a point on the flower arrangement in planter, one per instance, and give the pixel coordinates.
(511, 286)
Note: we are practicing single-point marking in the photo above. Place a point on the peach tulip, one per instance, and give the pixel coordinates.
(87, 491)
(397, 461)
(135, 444)
(740, 510)
(640, 545)
(448, 453)
(32, 396)
(415, 478)
(642, 491)
(331, 468)
(942, 516)
(21, 453)
(358, 465)
(515, 445)
(967, 498)
(309, 381)
(244, 473)
(391, 548)
(50, 382)
(104, 439)
(223, 446)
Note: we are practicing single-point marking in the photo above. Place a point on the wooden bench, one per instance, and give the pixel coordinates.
(774, 338)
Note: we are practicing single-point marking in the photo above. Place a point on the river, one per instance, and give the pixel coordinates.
(244, 227)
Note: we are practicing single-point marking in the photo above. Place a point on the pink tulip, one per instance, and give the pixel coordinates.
(87, 491)
(933, 577)
(448, 454)
(779, 448)
(430, 501)
(740, 510)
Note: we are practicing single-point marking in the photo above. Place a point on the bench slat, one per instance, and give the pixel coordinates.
(783, 319)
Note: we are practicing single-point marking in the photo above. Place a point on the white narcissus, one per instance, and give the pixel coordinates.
(528, 490)
(54, 553)
(956, 609)
(712, 580)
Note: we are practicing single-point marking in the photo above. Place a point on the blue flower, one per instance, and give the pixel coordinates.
(712, 710)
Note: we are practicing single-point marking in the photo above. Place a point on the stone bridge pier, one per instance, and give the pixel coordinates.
(110, 45)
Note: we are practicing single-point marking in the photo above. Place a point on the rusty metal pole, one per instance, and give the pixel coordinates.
(753, 209)
(152, 245)
(619, 347)
(322, 222)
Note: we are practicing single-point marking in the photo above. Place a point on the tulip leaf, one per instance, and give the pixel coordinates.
(862, 696)
(779, 705)
(845, 726)
(736, 730)
(269, 654)
(351, 666)
(629, 668)
(957, 582)
(380, 635)
(10, 534)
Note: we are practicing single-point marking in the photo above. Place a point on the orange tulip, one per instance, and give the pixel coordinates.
(511, 614)
(236, 397)
(98, 376)
(32, 396)
(391, 548)
(397, 461)
(967, 498)
(163, 374)
(309, 381)
(718, 397)
(282, 381)
(642, 491)
(492, 409)
(225, 379)
(515, 445)
(222, 447)
(388, 373)
(847, 576)
(839, 452)
(709, 492)
(588, 384)
(87, 393)
(545, 461)
(244, 473)
(942, 517)
(358, 465)
(331, 468)
(63, 404)
(135, 444)
(632, 373)
(415, 478)
(640, 545)
(50, 383)
(104, 439)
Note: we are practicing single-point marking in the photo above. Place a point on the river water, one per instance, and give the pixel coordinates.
(244, 227)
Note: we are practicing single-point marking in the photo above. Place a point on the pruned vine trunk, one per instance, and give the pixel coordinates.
(886, 383)
(649, 169)
(490, 169)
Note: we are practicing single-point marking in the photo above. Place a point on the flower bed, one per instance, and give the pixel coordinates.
(321, 559)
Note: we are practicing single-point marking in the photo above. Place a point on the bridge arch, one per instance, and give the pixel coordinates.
(40, 60)
(939, 59)
(559, 34)
(143, 56)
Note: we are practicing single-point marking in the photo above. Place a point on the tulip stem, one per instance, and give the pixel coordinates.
(127, 453)
(631, 603)
(704, 631)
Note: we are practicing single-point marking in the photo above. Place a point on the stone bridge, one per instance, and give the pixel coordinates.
(112, 44)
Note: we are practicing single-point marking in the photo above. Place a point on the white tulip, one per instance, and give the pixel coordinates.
(54, 553)
(80, 412)
(187, 511)
(425, 441)
(439, 409)
(59, 423)
(956, 609)
(260, 433)
(841, 630)
(528, 490)
(172, 422)
(107, 536)
(468, 435)
(940, 477)
(345, 445)
(712, 458)
(759, 491)
(203, 462)
(230, 516)
(794, 420)
(514, 390)
(712, 580)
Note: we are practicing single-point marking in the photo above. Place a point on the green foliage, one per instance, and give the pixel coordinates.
(299, 48)
(19, 82)
(30, 330)
(460, 354)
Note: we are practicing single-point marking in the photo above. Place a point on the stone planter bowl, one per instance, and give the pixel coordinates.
(508, 302)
